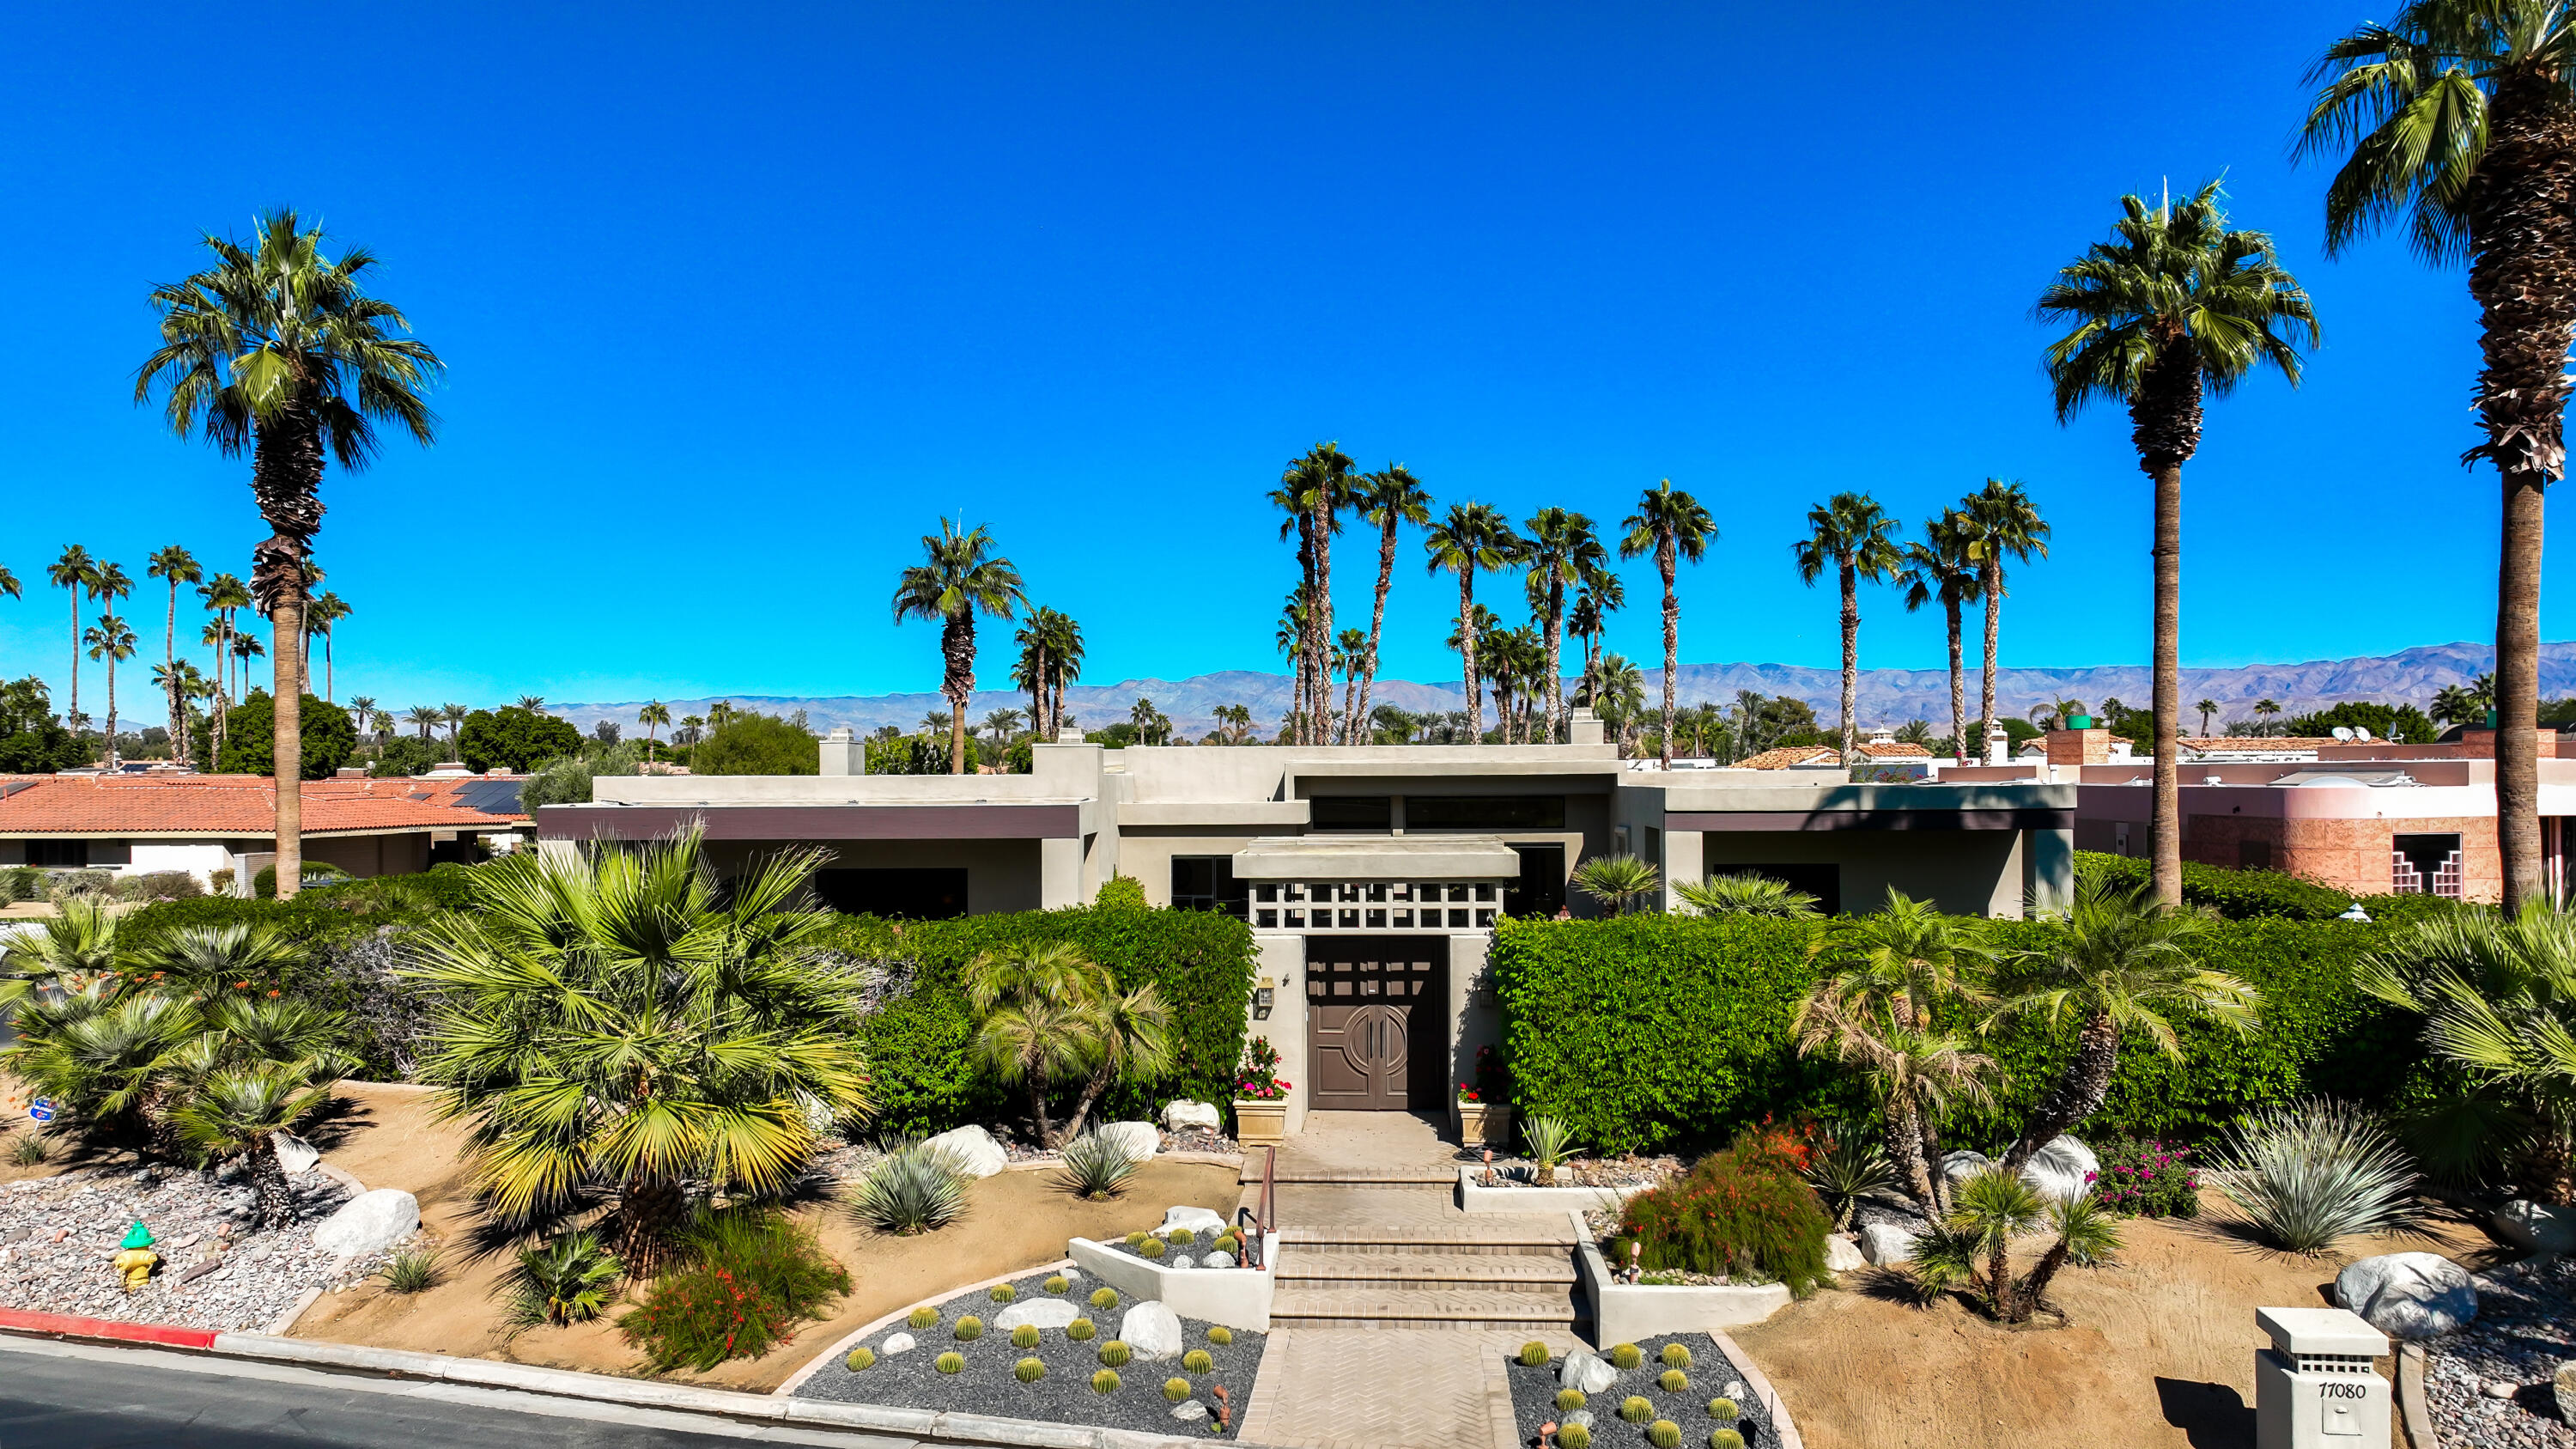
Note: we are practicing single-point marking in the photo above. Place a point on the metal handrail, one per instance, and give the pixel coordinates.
(1261, 1219)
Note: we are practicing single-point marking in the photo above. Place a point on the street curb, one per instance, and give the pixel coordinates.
(841, 1346)
(68, 1325)
(2414, 1415)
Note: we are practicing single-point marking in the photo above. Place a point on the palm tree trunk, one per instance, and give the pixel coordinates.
(1905, 1149)
(287, 764)
(1038, 1111)
(2078, 1093)
(1958, 688)
(111, 711)
(1992, 581)
(957, 644)
(647, 1214)
(1555, 659)
(1851, 658)
(1377, 611)
(1467, 650)
(1319, 616)
(1668, 564)
(1999, 1277)
(71, 714)
(330, 675)
(170, 661)
(2165, 425)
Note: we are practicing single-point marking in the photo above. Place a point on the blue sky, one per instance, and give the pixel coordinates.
(738, 300)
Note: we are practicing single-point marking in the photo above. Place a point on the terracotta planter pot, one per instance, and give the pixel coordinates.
(1482, 1124)
(1260, 1124)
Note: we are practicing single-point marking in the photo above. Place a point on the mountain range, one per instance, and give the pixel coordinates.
(1886, 696)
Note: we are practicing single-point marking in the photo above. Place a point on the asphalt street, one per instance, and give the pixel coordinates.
(79, 1396)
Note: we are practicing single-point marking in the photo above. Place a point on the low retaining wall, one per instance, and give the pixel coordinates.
(1235, 1297)
(1624, 1312)
(1475, 1197)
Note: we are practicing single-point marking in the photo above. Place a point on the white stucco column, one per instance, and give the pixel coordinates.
(1682, 864)
(1059, 872)
(1279, 961)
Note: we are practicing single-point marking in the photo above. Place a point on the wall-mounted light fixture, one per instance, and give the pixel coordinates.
(1262, 997)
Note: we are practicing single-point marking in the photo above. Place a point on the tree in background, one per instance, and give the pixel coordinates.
(1234, 724)
(2403, 723)
(514, 739)
(2264, 711)
(654, 717)
(1350, 656)
(176, 566)
(1050, 658)
(749, 743)
(1589, 618)
(1853, 537)
(1673, 527)
(277, 348)
(32, 741)
(453, 715)
(322, 617)
(1471, 538)
(2002, 524)
(2461, 115)
(1563, 551)
(223, 595)
(2174, 306)
(1940, 566)
(2207, 707)
(328, 738)
(110, 639)
(959, 577)
(72, 573)
(1389, 498)
(1318, 484)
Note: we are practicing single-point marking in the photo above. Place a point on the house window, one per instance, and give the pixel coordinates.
(59, 854)
(1353, 812)
(1207, 883)
(1541, 889)
(920, 895)
(2253, 855)
(2424, 865)
(1484, 812)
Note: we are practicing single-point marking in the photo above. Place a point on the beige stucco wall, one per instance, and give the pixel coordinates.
(1966, 872)
(1001, 875)
(1280, 960)
(371, 855)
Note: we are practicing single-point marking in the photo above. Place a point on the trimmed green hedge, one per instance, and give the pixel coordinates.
(1671, 1031)
(2244, 895)
(926, 1081)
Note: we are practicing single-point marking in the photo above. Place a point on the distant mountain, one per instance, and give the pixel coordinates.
(1887, 696)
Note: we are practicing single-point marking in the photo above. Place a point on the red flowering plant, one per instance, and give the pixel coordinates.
(1491, 1084)
(1257, 1080)
(2147, 1178)
(1745, 1212)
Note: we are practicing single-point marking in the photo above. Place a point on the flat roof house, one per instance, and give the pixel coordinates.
(1371, 876)
(137, 824)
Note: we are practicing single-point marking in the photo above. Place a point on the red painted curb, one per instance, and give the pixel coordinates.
(74, 1327)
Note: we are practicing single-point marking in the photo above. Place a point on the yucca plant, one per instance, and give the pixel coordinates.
(1548, 1139)
(1095, 1167)
(1849, 1169)
(1745, 894)
(413, 1270)
(2311, 1173)
(1620, 882)
(912, 1189)
(570, 1279)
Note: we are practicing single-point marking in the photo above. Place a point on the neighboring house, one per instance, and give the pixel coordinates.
(1371, 876)
(2368, 816)
(133, 824)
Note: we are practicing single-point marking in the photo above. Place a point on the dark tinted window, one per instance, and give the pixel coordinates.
(1541, 891)
(1824, 882)
(1207, 883)
(61, 854)
(1484, 812)
(1353, 812)
(921, 895)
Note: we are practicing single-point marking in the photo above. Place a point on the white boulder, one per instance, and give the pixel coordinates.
(1151, 1330)
(1138, 1140)
(1069, 1275)
(970, 1150)
(1043, 1312)
(1196, 1219)
(1886, 1244)
(1178, 1261)
(369, 1223)
(1587, 1373)
(899, 1343)
(2063, 1169)
(2409, 1295)
(1960, 1165)
(1189, 1411)
(294, 1155)
(1182, 1113)
(1217, 1259)
(2534, 1228)
(1842, 1255)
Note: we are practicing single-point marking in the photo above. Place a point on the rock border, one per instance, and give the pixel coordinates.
(2414, 1415)
(855, 1337)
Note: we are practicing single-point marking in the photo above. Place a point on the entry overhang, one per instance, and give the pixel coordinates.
(812, 822)
(1377, 857)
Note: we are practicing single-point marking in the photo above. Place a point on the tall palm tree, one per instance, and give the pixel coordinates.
(533, 703)
(424, 717)
(1050, 655)
(176, 566)
(1319, 481)
(1350, 656)
(111, 640)
(277, 348)
(1940, 566)
(2174, 306)
(2118, 961)
(453, 716)
(961, 575)
(1563, 551)
(322, 616)
(2461, 115)
(1064, 663)
(1617, 692)
(1604, 593)
(1389, 498)
(2207, 707)
(72, 573)
(107, 584)
(1291, 641)
(2003, 523)
(1673, 527)
(362, 712)
(1471, 538)
(223, 595)
(2264, 710)
(1853, 537)
(654, 716)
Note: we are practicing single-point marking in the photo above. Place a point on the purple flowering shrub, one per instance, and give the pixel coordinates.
(2147, 1178)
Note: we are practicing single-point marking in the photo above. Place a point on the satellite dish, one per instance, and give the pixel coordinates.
(2343, 733)
(2360, 733)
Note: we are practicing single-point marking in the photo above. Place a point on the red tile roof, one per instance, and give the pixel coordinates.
(2239, 744)
(1895, 750)
(1788, 755)
(228, 805)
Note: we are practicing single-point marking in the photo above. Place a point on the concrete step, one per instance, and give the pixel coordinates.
(1312, 1176)
(1509, 1236)
(1441, 1307)
(1527, 1271)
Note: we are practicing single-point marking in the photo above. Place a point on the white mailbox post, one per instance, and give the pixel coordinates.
(2313, 1388)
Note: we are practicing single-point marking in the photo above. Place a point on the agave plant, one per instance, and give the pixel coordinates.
(914, 1188)
(1850, 1168)
(570, 1279)
(1095, 1167)
(1747, 895)
(1618, 881)
(2311, 1173)
(1548, 1139)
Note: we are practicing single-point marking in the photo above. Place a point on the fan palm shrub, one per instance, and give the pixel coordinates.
(1051, 1016)
(1972, 1247)
(2498, 994)
(605, 1024)
(77, 943)
(2309, 1174)
(236, 1112)
(1617, 881)
(568, 1279)
(913, 1189)
(1746, 894)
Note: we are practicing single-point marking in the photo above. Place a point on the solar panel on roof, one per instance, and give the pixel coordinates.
(491, 797)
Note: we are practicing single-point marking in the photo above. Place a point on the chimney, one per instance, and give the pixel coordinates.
(1583, 727)
(1998, 745)
(844, 753)
(2079, 747)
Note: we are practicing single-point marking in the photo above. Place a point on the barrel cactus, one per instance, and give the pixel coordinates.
(924, 1318)
(1574, 1436)
(1533, 1354)
(1080, 1330)
(1003, 1293)
(1724, 1411)
(1104, 1382)
(1674, 1381)
(1180, 1237)
(860, 1358)
(951, 1362)
(1197, 1361)
(1025, 1336)
(1626, 1356)
(1030, 1370)
(1569, 1400)
(1635, 1409)
(1725, 1439)
(1664, 1434)
(1676, 1356)
(968, 1329)
(1115, 1354)
(1220, 1335)
(1104, 1297)
(1175, 1390)
(1058, 1283)
(1150, 1248)
(1135, 1239)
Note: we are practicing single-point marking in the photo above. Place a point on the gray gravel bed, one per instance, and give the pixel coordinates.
(1711, 1374)
(2525, 1328)
(197, 1219)
(987, 1386)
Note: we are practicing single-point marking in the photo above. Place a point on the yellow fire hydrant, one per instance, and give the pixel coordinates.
(135, 1258)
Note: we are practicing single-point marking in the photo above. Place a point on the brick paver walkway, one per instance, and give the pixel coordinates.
(1387, 1388)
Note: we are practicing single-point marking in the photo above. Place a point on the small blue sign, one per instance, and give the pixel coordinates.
(41, 1110)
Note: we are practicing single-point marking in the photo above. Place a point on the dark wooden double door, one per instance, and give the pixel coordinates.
(1377, 1021)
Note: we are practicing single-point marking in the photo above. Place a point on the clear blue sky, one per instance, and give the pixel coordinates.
(738, 299)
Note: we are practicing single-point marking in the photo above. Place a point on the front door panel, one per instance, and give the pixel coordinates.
(1362, 997)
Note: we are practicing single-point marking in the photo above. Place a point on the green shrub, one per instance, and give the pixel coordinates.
(1175, 1390)
(1114, 1354)
(1533, 1354)
(1080, 1330)
(748, 1278)
(2148, 1178)
(1198, 1361)
(2244, 895)
(1673, 1381)
(1636, 1409)
(860, 1359)
(1104, 1382)
(1626, 1356)
(967, 1329)
(1104, 1298)
(924, 1318)
(514, 738)
(758, 744)
(1025, 1336)
(413, 1270)
(951, 1362)
(1569, 1400)
(1058, 1283)
(1029, 1370)
(1676, 1356)
(1742, 1212)
(1122, 893)
(250, 737)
